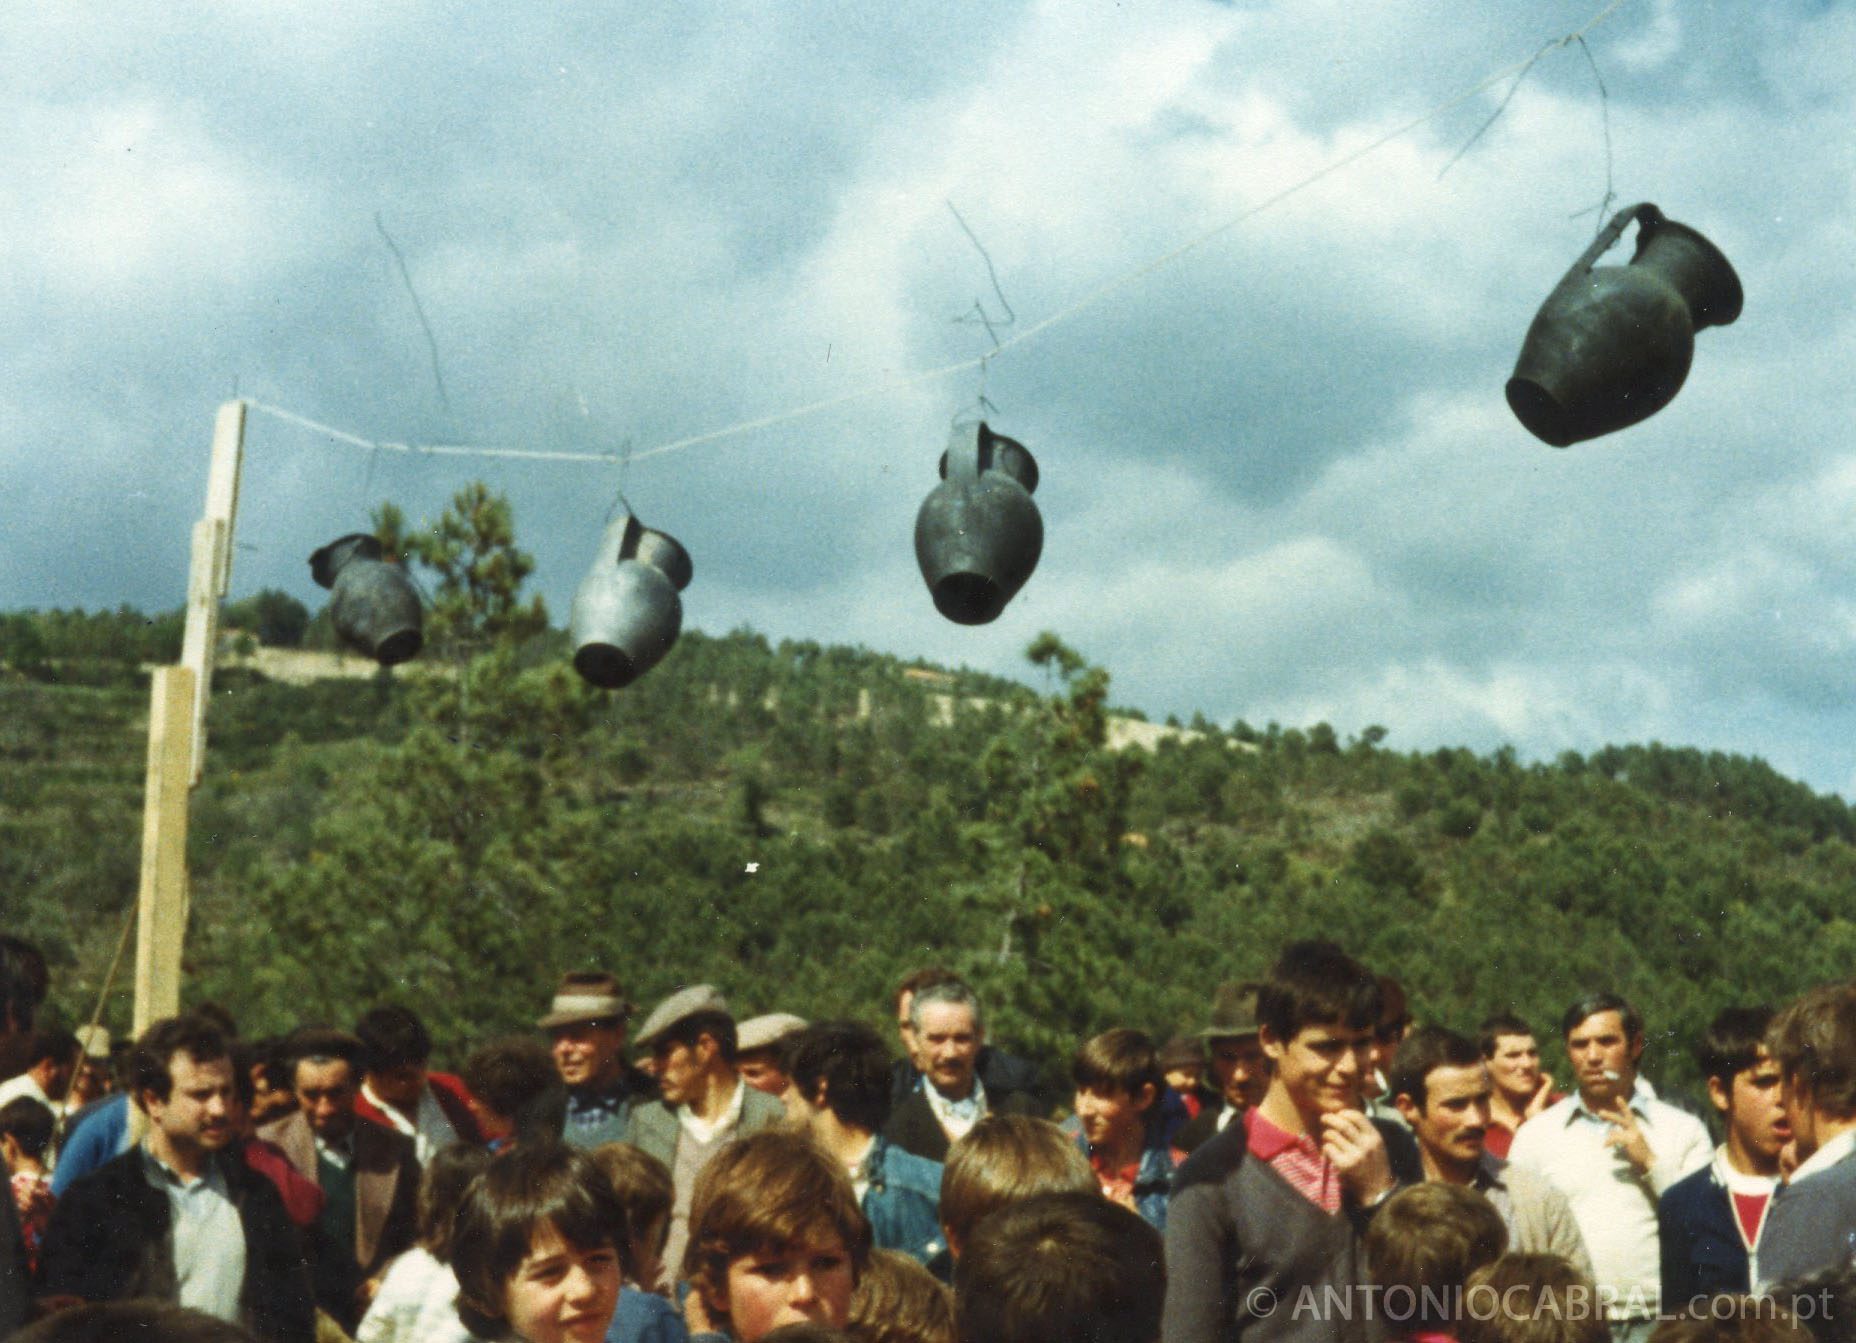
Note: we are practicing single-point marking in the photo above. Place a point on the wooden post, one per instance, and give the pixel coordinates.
(210, 573)
(162, 918)
(177, 734)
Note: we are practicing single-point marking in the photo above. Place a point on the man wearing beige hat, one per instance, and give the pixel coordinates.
(586, 1032)
(705, 1104)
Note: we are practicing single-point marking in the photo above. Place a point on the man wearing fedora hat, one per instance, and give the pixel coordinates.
(1239, 1069)
(586, 1031)
(705, 1104)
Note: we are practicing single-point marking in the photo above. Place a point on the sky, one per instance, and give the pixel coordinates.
(1279, 479)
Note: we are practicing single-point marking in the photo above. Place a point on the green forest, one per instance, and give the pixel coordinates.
(801, 824)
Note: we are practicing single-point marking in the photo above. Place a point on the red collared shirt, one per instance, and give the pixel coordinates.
(1297, 1159)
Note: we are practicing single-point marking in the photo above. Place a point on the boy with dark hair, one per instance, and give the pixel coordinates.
(1061, 1268)
(643, 1186)
(840, 1093)
(515, 1090)
(400, 1091)
(26, 1127)
(1522, 1088)
(535, 1247)
(775, 1238)
(1118, 1087)
(1709, 1224)
(1281, 1201)
(1421, 1249)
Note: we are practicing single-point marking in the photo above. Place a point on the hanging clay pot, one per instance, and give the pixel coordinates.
(627, 614)
(1612, 344)
(373, 604)
(978, 535)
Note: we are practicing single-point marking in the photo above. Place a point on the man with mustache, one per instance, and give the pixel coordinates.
(174, 1217)
(1442, 1087)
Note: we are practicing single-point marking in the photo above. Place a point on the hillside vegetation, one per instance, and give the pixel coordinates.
(801, 824)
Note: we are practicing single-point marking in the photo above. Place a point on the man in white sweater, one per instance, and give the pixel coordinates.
(1612, 1148)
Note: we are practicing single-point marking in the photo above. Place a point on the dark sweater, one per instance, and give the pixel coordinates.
(111, 1238)
(1247, 1257)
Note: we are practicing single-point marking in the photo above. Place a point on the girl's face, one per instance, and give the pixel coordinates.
(804, 1283)
(560, 1293)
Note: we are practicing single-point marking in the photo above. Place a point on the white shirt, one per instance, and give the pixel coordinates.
(209, 1239)
(956, 1117)
(24, 1085)
(704, 1131)
(429, 1132)
(417, 1303)
(1615, 1205)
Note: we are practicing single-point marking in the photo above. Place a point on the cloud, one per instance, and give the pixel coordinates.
(1280, 479)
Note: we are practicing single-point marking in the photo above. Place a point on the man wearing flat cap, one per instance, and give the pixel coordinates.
(705, 1105)
(586, 1029)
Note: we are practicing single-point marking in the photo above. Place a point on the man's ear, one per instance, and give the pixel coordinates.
(1719, 1096)
(1144, 1098)
(1408, 1108)
(1273, 1048)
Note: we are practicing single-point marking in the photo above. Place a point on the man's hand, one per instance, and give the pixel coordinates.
(1358, 1153)
(1542, 1097)
(1627, 1135)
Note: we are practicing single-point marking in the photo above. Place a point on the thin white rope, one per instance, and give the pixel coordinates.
(1088, 300)
(431, 449)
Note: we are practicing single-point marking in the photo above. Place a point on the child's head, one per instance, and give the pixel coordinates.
(776, 1235)
(1532, 1298)
(1004, 1158)
(644, 1186)
(26, 1125)
(1061, 1268)
(515, 1089)
(1729, 1319)
(536, 1247)
(442, 1187)
(899, 1301)
(1421, 1248)
(1316, 1014)
(1117, 1078)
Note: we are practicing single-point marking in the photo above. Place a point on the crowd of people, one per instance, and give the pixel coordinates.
(1305, 1167)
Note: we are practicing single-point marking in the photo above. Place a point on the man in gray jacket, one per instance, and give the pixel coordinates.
(705, 1104)
(1263, 1230)
(1811, 1224)
(1442, 1087)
